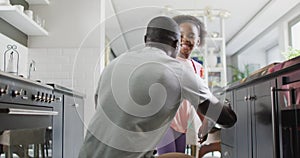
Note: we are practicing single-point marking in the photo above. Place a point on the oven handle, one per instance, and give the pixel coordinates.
(14, 111)
(275, 122)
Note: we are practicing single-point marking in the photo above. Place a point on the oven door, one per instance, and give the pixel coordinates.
(25, 131)
(288, 117)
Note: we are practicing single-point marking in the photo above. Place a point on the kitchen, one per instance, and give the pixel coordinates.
(64, 44)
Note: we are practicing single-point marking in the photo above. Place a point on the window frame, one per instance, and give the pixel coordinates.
(290, 25)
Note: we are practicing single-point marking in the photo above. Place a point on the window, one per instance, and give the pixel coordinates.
(294, 30)
(273, 54)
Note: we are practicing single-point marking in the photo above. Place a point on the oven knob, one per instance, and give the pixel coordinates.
(53, 98)
(49, 98)
(4, 90)
(45, 98)
(39, 96)
(42, 97)
(15, 93)
(36, 97)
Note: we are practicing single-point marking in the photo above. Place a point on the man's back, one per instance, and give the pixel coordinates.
(139, 94)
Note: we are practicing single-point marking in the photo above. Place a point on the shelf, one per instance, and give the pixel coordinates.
(37, 2)
(215, 69)
(214, 39)
(21, 21)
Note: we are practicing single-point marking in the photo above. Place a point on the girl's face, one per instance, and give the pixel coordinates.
(189, 38)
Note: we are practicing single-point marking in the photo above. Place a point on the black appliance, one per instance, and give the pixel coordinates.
(286, 115)
(30, 119)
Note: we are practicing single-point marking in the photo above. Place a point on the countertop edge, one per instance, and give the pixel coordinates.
(66, 90)
(17, 78)
(264, 78)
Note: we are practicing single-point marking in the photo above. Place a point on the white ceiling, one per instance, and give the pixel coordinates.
(126, 20)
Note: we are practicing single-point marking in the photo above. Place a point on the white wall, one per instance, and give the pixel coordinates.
(67, 21)
(273, 55)
(22, 50)
(277, 34)
(255, 59)
(296, 38)
(71, 54)
(274, 11)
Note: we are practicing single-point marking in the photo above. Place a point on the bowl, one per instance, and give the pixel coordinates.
(4, 2)
(19, 7)
(29, 13)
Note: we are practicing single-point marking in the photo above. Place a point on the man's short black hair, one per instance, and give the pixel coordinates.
(162, 30)
(191, 19)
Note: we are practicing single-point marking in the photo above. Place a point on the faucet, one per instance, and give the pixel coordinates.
(31, 68)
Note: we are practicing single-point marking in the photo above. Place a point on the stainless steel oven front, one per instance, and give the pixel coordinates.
(30, 116)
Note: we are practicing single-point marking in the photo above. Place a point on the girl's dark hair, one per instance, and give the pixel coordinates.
(191, 19)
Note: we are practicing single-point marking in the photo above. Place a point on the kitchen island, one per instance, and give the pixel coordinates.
(263, 128)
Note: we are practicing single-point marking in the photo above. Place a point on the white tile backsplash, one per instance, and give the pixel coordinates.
(74, 68)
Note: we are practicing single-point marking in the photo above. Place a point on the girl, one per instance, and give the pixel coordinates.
(192, 36)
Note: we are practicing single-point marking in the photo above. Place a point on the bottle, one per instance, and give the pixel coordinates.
(11, 66)
(11, 60)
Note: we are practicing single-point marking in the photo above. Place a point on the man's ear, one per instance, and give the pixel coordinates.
(176, 44)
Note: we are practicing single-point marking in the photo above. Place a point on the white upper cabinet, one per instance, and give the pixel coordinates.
(38, 2)
(21, 21)
(17, 18)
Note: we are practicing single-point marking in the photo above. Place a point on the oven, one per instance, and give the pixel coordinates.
(30, 116)
(286, 115)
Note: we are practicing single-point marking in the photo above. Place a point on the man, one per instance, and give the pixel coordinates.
(139, 94)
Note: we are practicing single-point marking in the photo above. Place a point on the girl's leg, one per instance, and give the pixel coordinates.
(167, 143)
(180, 143)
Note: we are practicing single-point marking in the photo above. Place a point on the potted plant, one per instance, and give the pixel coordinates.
(291, 53)
(237, 74)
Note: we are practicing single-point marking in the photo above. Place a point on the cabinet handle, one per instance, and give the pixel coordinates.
(252, 97)
(226, 154)
(246, 98)
(75, 105)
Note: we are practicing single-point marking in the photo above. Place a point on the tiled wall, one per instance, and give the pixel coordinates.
(74, 68)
